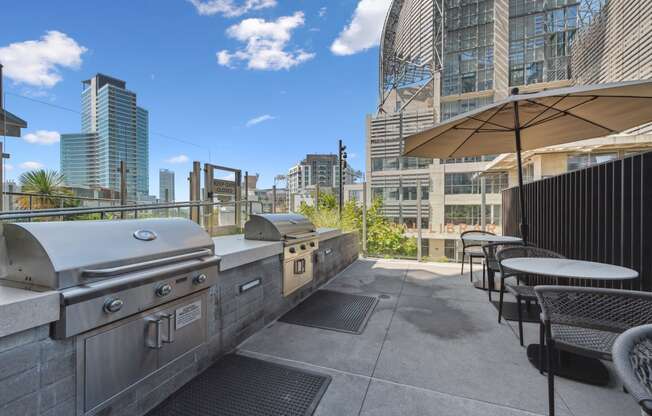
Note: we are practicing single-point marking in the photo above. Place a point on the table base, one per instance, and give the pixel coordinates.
(572, 366)
(510, 311)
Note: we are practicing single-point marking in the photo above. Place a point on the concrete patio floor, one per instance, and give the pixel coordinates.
(433, 346)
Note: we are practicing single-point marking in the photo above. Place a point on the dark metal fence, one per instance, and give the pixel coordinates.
(602, 213)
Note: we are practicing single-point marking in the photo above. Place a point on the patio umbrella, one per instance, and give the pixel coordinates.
(531, 121)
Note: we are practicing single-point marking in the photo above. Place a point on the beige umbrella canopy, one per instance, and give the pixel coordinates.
(532, 121)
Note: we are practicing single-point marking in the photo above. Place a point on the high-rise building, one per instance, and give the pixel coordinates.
(317, 168)
(114, 129)
(166, 185)
(441, 58)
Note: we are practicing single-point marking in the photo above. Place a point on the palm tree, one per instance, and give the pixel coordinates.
(48, 183)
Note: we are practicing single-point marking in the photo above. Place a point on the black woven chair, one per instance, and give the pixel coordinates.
(490, 250)
(472, 249)
(632, 356)
(523, 289)
(586, 321)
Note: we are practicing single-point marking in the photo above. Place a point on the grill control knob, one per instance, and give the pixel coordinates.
(199, 279)
(163, 290)
(303, 246)
(312, 244)
(292, 250)
(113, 305)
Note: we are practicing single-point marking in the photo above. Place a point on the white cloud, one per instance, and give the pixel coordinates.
(37, 62)
(322, 11)
(9, 167)
(265, 44)
(43, 137)
(259, 119)
(229, 8)
(178, 159)
(365, 28)
(31, 165)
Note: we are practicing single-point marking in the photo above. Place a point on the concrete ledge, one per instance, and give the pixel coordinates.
(328, 233)
(235, 251)
(22, 309)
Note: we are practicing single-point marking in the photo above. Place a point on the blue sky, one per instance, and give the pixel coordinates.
(255, 83)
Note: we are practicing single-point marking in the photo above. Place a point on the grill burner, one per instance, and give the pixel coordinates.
(109, 270)
(300, 242)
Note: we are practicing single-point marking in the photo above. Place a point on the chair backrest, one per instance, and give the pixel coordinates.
(512, 252)
(614, 310)
(490, 250)
(632, 357)
(467, 238)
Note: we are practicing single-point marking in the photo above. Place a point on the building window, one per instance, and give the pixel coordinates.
(386, 194)
(470, 214)
(585, 160)
(384, 163)
(528, 173)
(408, 163)
(471, 183)
(472, 159)
(450, 249)
(540, 34)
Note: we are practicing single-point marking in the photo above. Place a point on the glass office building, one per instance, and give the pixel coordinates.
(114, 129)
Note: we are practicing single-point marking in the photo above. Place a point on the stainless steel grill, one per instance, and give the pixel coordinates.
(109, 270)
(299, 237)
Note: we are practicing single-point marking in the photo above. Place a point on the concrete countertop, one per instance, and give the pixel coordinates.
(235, 251)
(22, 309)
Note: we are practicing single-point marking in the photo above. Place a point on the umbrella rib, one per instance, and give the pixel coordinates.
(576, 116)
(504, 128)
(543, 112)
(554, 116)
(478, 128)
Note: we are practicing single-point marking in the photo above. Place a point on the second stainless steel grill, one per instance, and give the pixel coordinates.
(299, 237)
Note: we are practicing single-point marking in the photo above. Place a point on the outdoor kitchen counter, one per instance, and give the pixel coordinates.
(235, 251)
(22, 309)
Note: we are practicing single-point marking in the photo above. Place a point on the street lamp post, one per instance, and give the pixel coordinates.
(342, 166)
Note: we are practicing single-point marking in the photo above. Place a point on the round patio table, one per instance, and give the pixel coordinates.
(569, 365)
(488, 239)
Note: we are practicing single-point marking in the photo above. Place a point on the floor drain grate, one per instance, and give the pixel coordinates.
(333, 310)
(242, 386)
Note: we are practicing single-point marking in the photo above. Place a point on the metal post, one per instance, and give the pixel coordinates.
(483, 203)
(123, 186)
(274, 199)
(237, 176)
(418, 220)
(364, 218)
(195, 191)
(316, 201)
(208, 197)
(246, 195)
(341, 182)
(521, 191)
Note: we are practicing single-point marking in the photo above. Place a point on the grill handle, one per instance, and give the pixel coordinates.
(145, 264)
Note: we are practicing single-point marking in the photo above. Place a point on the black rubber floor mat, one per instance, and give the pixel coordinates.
(242, 386)
(332, 310)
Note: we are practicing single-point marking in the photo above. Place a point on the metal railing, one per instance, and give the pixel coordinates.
(206, 214)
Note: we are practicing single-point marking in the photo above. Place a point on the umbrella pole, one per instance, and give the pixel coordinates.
(521, 191)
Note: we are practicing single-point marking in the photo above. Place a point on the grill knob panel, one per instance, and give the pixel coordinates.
(199, 279)
(113, 305)
(163, 290)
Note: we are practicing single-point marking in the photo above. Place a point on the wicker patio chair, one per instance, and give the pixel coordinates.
(587, 321)
(472, 249)
(523, 289)
(490, 251)
(632, 356)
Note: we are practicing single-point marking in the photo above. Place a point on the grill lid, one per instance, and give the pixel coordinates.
(278, 227)
(58, 255)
